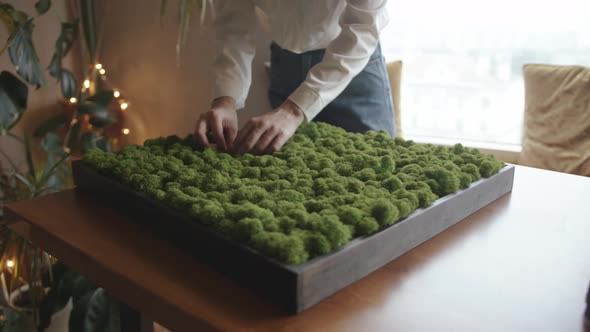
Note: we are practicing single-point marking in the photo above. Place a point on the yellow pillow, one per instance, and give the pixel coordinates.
(557, 118)
(394, 71)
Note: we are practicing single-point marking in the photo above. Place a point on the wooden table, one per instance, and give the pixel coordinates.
(520, 264)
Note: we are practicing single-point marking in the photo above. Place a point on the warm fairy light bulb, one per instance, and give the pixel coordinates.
(102, 71)
(125, 131)
(124, 106)
(10, 263)
(98, 66)
(116, 93)
(86, 84)
(73, 100)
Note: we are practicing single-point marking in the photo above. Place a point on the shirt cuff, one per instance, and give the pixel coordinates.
(308, 100)
(223, 89)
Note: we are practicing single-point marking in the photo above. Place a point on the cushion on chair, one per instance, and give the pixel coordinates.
(394, 71)
(557, 118)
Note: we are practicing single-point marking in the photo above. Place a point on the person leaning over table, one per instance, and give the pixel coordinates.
(326, 65)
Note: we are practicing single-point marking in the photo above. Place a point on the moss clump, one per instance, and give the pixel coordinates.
(325, 187)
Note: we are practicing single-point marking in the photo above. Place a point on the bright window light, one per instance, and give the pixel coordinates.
(462, 62)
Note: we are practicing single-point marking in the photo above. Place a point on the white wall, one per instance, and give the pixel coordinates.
(139, 55)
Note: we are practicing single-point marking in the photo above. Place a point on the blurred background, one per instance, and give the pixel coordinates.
(115, 77)
(462, 76)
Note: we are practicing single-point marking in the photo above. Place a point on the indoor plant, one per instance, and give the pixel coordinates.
(33, 285)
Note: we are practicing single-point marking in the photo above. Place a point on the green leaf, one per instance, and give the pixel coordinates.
(102, 121)
(63, 44)
(186, 10)
(56, 171)
(13, 100)
(103, 97)
(52, 144)
(99, 115)
(90, 107)
(88, 141)
(25, 181)
(69, 32)
(78, 313)
(185, 14)
(51, 179)
(74, 139)
(23, 55)
(163, 4)
(7, 17)
(54, 67)
(54, 123)
(89, 26)
(42, 6)
(81, 286)
(68, 84)
(203, 10)
(91, 140)
(104, 144)
(97, 313)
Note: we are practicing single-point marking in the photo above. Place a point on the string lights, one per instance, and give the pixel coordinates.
(96, 80)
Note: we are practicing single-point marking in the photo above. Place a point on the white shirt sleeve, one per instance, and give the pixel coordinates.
(345, 57)
(235, 45)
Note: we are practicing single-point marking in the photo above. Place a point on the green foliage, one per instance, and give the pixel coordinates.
(42, 6)
(13, 101)
(63, 44)
(324, 188)
(185, 15)
(22, 52)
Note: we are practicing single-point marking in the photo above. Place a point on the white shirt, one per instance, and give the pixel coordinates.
(347, 29)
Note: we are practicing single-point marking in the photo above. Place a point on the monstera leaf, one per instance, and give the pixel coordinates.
(63, 44)
(13, 100)
(22, 52)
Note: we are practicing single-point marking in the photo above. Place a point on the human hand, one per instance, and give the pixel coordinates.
(268, 132)
(222, 121)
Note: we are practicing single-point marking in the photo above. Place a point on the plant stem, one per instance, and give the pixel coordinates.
(9, 134)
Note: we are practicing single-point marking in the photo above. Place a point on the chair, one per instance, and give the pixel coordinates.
(557, 118)
(394, 70)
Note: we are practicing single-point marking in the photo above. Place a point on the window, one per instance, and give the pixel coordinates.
(462, 76)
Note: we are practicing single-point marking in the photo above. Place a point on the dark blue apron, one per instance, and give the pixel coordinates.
(365, 104)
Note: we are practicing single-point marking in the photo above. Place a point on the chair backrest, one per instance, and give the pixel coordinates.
(557, 118)
(394, 71)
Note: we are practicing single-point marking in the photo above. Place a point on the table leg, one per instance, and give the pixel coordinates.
(133, 321)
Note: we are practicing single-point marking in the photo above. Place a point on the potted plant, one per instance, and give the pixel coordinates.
(33, 284)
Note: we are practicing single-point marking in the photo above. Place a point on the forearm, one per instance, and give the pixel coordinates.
(235, 33)
(345, 57)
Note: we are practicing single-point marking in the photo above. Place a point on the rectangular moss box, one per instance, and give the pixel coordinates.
(294, 288)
